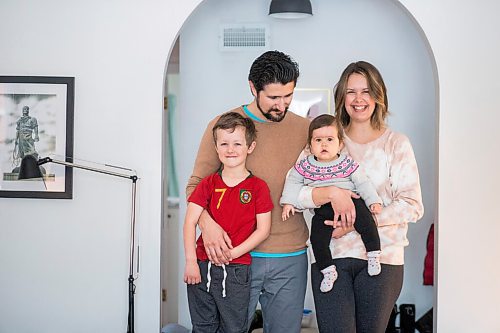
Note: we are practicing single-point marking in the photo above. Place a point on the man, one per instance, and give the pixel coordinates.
(26, 135)
(279, 264)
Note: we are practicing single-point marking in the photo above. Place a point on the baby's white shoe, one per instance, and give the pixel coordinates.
(374, 267)
(329, 277)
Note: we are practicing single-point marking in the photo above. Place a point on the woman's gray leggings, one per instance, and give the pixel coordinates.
(358, 303)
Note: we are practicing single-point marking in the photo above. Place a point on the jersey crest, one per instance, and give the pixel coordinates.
(245, 196)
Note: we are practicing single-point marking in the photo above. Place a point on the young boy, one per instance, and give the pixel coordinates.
(240, 203)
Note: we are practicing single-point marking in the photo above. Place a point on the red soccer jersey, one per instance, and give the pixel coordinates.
(233, 208)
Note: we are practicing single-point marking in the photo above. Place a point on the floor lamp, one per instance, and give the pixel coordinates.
(30, 168)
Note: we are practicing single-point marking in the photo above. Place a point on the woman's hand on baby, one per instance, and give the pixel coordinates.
(339, 232)
(343, 207)
(287, 211)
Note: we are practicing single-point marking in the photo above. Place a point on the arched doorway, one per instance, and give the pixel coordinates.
(213, 80)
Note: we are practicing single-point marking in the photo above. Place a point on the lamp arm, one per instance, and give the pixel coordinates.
(131, 278)
(79, 166)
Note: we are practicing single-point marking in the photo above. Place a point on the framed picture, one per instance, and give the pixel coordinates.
(36, 118)
(310, 103)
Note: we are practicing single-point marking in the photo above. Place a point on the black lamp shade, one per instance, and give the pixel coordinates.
(29, 168)
(290, 8)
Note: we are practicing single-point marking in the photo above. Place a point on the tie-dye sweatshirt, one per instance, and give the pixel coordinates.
(390, 164)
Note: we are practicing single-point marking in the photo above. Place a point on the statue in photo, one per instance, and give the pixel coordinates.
(26, 135)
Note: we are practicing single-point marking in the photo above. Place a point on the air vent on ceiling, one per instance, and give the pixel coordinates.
(236, 37)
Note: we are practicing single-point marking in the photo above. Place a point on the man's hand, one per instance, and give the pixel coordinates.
(216, 240)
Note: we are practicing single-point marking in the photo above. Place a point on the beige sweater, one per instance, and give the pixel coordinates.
(278, 145)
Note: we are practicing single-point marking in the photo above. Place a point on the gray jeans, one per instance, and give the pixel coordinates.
(210, 311)
(279, 284)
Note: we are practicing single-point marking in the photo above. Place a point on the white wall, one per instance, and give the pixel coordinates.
(64, 263)
(462, 34)
(52, 282)
(214, 81)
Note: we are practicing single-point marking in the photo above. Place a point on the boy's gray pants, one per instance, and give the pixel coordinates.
(210, 311)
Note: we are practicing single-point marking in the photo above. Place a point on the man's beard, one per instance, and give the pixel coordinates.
(269, 115)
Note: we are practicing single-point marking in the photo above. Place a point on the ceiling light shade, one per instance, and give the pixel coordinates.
(290, 9)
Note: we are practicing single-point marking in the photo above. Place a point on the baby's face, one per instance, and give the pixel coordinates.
(325, 144)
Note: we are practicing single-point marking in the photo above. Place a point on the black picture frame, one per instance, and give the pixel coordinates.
(50, 101)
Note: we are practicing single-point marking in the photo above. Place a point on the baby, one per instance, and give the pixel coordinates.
(326, 166)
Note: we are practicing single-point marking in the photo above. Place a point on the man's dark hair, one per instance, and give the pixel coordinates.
(273, 67)
(231, 120)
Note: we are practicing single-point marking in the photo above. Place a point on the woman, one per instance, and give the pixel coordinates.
(359, 302)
